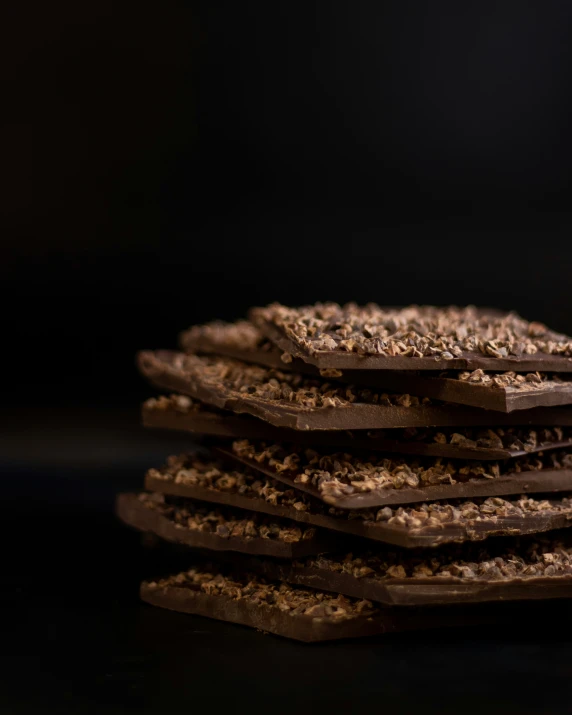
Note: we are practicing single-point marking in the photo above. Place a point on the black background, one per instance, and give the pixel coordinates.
(170, 163)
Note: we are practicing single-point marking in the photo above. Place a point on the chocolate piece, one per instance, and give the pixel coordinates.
(289, 611)
(179, 412)
(504, 392)
(429, 524)
(185, 522)
(297, 402)
(240, 340)
(354, 481)
(309, 615)
(295, 612)
(521, 570)
(413, 338)
(217, 335)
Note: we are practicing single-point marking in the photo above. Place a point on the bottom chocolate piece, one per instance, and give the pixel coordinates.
(305, 614)
(289, 611)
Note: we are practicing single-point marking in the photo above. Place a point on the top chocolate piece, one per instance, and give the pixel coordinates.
(414, 338)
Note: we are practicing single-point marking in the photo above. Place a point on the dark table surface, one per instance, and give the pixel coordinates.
(76, 639)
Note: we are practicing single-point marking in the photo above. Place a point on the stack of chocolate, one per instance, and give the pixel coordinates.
(361, 469)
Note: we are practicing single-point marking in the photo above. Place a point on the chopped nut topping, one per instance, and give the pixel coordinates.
(514, 438)
(186, 514)
(341, 474)
(188, 469)
(331, 373)
(519, 559)
(179, 403)
(293, 600)
(241, 335)
(192, 470)
(512, 381)
(420, 516)
(414, 331)
(271, 385)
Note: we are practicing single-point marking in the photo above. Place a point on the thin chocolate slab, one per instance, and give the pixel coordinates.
(302, 613)
(182, 413)
(294, 401)
(355, 481)
(240, 340)
(502, 391)
(538, 569)
(310, 615)
(289, 611)
(413, 338)
(427, 524)
(179, 412)
(185, 522)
